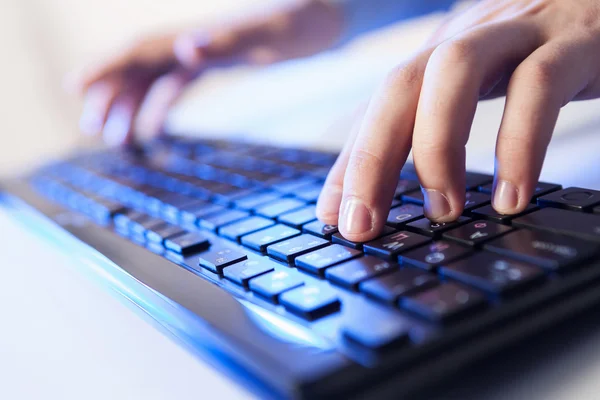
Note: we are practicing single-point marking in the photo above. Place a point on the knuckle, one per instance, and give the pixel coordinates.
(542, 73)
(455, 51)
(363, 162)
(405, 75)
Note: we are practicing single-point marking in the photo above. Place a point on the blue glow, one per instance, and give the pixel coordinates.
(285, 330)
(189, 329)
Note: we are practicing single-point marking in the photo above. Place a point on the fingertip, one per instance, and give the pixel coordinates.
(356, 221)
(117, 128)
(328, 204)
(187, 49)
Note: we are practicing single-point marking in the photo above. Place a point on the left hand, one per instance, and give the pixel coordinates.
(541, 54)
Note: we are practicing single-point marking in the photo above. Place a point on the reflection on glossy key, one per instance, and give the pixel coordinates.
(215, 221)
(434, 254)
(377, 331)
(404, 282)
(545, 249)
(163, 232)
(443, 302)
(317, 261)
(296, 246)
(216, 259)
(299, 217)
(188, 243)
(403, 214)
(475, 199)
(242, 272)
(477, 232)
(320, 229)
(243, 227)
(573, 198)
(351, 273)
(276, 208)
(492, 273)
(272, 284)
(390, 246)
(310, 302)
(263, 238)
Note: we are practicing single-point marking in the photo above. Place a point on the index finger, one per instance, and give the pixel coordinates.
(379, 152)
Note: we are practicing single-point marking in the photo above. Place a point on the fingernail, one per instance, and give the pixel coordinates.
(505, 197)
(328, 205)
(356, 217)
(436, 204)
(117, 126)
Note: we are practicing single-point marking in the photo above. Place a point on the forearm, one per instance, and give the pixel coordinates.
(361, 16)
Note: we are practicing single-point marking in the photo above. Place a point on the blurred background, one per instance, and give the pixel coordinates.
(307, 103)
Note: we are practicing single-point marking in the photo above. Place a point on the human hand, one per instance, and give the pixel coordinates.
(133, 90)
(541, 54)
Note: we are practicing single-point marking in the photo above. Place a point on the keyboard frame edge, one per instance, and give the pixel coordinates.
(259, 373)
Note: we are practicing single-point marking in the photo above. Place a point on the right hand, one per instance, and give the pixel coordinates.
(132, 91)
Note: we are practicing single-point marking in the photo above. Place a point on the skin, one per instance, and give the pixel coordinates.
(540, 54)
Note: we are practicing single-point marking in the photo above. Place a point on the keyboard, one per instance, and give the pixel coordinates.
(218, 242)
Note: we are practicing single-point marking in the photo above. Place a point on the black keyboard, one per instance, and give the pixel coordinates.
(218, 241)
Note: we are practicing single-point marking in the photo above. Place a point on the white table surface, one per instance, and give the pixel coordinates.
(64, 337)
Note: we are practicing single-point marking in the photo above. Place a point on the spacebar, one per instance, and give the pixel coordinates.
(577, 224)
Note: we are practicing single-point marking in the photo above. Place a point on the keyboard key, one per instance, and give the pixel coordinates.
(272, 284)
(251, 202)
(487, 188)
(406, 213)
(188, 243)
(597, 210)
(406, 281)
(443, 302)
(310, 302)
(351, 273)
(141, 226)
(474, 180)
(242, 272)
(236, 230)
(477, 232)
(215, 221)
(426, 227)
(405, 186)
(377, 332)
(289, 249)
(584, 226)
(317, 261)
(218, 258)
(291, 186)
(191, 216)
(299, 217)
(543, 188)
(123, 221)
(320, 229)
(390, 246)
(491, 273)
(339, 239)
(489, 213)
(432, 255)
(309, 193)
(262, 239)
(276, 208)
(415, 197)
(573, 198)
(476, 200)
(163, 232)
(545, 249)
